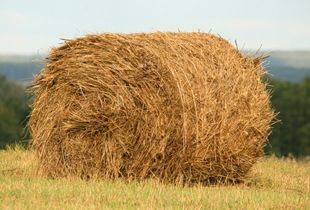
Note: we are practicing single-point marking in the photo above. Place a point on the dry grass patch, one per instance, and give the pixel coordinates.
(273, 184)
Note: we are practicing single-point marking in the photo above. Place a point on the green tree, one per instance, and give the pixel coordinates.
(13, 112)
(292, 133)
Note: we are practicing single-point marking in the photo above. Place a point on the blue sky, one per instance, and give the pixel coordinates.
(33, 26)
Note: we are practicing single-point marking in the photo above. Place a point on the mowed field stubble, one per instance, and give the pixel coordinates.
(272, 184)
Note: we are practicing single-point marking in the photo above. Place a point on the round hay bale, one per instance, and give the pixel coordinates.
(180, 107)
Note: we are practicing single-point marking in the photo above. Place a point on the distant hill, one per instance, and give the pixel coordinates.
(296, 59)
(289, 65)
(292, 66)
(21, 68)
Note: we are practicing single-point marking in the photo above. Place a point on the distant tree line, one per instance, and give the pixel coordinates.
(13, 113)
(289, 136)
(292, 134)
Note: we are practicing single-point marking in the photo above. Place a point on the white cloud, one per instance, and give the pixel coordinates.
(13, 17)
(12, 43)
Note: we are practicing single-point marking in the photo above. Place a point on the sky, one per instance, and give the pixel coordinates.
(34, 26)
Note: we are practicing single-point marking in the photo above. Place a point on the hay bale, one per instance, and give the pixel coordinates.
(181, 107)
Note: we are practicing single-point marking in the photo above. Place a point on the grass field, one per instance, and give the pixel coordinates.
(273, 184)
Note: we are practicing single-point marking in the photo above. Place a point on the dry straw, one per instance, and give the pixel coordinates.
(179, 107)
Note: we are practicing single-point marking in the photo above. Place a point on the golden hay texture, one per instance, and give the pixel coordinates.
(179, 107)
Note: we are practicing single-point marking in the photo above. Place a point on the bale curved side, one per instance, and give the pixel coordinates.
(181, 107)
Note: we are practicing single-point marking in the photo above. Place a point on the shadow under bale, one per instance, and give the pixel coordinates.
(179, 107)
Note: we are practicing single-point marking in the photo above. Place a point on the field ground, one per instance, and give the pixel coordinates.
(273, 184)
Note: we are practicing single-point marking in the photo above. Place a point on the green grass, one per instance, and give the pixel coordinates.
(273, 184)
